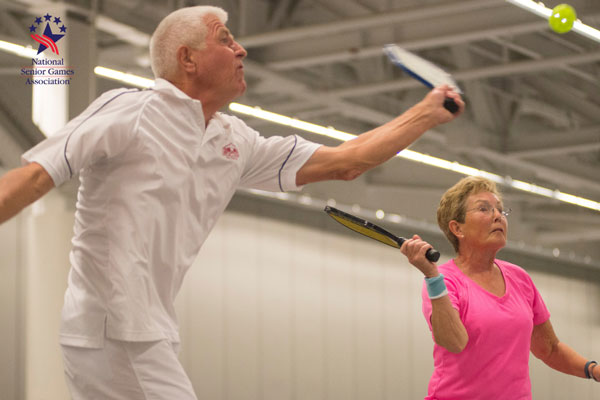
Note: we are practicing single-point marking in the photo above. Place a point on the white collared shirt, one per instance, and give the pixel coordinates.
(154, 181)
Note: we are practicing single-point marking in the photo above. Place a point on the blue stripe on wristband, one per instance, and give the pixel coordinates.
(436, 287)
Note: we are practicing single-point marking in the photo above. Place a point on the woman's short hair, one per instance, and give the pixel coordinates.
(183, 27)
(453, 203)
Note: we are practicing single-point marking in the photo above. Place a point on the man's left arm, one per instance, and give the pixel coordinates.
(350, 159)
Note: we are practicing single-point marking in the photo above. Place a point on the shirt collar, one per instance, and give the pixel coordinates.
(163, 85)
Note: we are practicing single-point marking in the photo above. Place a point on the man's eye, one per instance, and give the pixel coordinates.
(484, 209)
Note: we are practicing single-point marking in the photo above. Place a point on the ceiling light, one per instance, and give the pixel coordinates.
(124, 77)
(17, 49)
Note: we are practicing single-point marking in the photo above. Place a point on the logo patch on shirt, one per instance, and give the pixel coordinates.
(230, 151)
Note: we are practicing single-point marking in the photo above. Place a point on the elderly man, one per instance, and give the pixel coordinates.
(157, 169)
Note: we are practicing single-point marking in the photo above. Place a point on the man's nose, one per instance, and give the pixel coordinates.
(239, 50)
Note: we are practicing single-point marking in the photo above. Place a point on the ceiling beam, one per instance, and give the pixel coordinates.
(372, 21)
(558, 150)
(414, 44)
(492, 71)
(568, 236)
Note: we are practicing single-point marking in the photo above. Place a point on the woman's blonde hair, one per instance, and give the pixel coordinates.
(453, 203)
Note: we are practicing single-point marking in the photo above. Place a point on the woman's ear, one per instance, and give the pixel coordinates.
(185, 59)
(455, 228)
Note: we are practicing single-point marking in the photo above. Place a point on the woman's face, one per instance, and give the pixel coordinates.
(485, 226)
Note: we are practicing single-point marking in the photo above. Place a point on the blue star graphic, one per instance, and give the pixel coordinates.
(63, 28)
(57, 20)
(32, 28)
(47, 17)
(38, 20)
(53, 36)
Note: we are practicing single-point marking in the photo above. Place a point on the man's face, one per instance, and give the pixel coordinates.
(219, 63)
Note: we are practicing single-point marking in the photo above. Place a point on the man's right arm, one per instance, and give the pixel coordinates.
(22, 186)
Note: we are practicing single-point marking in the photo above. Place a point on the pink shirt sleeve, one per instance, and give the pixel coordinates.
(540, 311)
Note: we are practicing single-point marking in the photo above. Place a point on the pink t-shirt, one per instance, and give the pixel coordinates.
(495, 362)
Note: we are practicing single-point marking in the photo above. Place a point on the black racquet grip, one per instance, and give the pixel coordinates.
(450, 105)
(432, 255)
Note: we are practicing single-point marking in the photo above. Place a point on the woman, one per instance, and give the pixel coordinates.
(485, 314)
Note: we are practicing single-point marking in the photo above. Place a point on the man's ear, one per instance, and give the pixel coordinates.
(455, 228)
(185, 59)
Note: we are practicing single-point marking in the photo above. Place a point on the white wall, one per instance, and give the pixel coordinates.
(271, 310)
(278, 311)
(10, 321)
(34, 263)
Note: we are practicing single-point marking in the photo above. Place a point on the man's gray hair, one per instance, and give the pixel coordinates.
(183, 27)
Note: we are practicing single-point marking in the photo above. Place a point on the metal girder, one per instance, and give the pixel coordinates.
(414, 44)
(559, 150)
(354, 24)
(493, 71)
(568, 236)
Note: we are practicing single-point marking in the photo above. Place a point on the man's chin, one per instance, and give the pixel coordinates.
(240, 92)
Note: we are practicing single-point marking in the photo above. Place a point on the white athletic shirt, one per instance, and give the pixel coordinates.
(154, 181)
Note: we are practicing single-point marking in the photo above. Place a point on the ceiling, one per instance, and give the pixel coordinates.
(533, 96)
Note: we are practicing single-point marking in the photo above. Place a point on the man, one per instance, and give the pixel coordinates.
(157, 169)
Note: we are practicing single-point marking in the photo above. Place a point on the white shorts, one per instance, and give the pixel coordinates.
(127, 371)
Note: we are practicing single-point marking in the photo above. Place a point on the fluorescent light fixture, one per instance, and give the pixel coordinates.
(293, 122)
(17, 49)
(124, 77)
(416, 156)
(538, 8)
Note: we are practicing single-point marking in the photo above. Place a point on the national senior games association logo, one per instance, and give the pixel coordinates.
(47, 69)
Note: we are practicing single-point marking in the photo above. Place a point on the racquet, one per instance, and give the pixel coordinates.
(373, 231)
(422, 70)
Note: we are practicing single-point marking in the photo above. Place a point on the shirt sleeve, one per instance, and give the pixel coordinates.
(275, 161)
(540, 311)
(453, 295)
(102, 131)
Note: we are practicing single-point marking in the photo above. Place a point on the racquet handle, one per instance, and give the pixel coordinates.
(432, 255)
(450, 105)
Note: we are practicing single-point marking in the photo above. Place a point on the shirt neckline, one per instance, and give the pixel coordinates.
(502, 272)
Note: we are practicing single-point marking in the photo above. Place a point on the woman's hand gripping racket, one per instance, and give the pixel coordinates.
(424, 71)
(373, 231)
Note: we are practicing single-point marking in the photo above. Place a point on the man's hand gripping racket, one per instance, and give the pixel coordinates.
(373, 231)
(424, 71)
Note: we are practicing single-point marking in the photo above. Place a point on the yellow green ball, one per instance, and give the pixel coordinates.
(562, 18)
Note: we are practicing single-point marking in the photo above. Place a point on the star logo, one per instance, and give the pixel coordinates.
(48, 39)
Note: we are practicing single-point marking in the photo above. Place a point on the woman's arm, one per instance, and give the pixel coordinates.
(557, 355)
(448, 330)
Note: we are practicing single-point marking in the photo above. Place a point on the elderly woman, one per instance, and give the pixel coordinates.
(485, 314)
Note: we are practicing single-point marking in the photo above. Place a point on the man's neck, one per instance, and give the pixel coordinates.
(210, 104)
